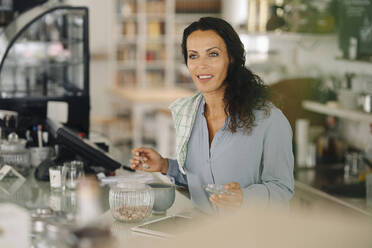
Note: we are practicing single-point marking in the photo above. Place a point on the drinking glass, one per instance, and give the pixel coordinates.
(72, 171)
(56, 178)
(216, 189)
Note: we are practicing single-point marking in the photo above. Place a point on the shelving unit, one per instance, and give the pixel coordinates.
(278, 55)
(144, 43)
(337, 111)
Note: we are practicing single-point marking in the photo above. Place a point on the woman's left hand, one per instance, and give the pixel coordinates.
(229, 201)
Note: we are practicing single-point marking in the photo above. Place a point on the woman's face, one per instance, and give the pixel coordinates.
(207, 60)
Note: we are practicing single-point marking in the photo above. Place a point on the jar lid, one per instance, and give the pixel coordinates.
(14, 143)
(43, 213)
(129, 186)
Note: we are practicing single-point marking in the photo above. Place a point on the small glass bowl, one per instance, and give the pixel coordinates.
(216, 189)
(131, 201)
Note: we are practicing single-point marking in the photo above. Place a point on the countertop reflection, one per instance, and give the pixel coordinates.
(329, 179)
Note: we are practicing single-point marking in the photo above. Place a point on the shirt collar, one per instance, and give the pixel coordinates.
(202, 106)
(201, 112)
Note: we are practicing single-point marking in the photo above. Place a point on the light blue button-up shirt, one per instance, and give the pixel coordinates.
(261, 162)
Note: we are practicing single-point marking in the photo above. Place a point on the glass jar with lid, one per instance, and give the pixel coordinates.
(131, 201)
(13, 152)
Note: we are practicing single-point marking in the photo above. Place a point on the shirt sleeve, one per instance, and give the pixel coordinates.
(277, 183)
(175, 174)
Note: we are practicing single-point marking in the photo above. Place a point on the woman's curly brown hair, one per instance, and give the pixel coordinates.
(245, 91)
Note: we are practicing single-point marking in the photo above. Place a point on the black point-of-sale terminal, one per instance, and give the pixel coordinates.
(71, 146)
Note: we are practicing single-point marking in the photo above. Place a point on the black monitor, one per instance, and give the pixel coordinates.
(83, 148)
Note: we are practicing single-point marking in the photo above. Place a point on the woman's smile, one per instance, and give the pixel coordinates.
(203, 78)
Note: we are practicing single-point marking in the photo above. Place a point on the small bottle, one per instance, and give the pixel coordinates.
(91, 233)
(329, 145)
(353, 48)
(88, 204)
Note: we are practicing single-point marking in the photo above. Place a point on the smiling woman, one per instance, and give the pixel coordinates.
(244, 90)
(228, 133)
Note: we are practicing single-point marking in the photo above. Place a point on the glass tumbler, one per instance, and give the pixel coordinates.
(216, 189)
(71, 173)
(56, 178)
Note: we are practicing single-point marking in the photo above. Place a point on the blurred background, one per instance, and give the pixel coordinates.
(126, 66)
(319, 51)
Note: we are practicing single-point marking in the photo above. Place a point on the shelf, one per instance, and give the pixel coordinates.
(132, 17)
(127, 65)
(354, 115)
(155, 65)
(190, 17)
(127, 39)
(356, 66)
(156, 39)
(156, 16)
(303, 44)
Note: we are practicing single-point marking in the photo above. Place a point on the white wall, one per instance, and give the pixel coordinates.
(101, 36)
(101, 14)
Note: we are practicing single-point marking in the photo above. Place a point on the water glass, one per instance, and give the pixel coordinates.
(72, 171)
(217, 189)
(56, 179)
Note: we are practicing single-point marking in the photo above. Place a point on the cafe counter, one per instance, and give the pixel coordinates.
(33, 195)
(309, 196)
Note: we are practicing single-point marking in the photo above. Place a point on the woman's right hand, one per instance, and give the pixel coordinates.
(154, 161)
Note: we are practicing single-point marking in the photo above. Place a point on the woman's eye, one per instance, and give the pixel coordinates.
(192, 56)
(213, 54)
